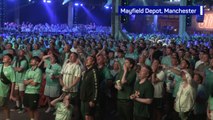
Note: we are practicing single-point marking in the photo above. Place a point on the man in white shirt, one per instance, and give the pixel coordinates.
(71, 73)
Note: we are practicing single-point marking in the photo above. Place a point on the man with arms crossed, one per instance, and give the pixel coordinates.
(32, 81)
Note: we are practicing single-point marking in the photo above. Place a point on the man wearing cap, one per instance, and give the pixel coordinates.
(7, 78)
(185, 98)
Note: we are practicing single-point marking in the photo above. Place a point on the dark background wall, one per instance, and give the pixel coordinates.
(56, 13)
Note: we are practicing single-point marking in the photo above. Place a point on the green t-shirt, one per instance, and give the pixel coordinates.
(62, 113)
(20, 75)
(36, 75)
(166, 60)
(53, 69)
(178, 81)
(128, 87)
(146, 90)
(148, 62)
(105, 75)
(134, 55)
(47, 62)
(208, 82)
(66, 56)
(121, 61)
(36, 52)
(10, 74)
(6, 52)
(210, 103)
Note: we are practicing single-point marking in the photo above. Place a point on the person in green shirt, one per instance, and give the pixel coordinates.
(7, 79)
(166, 60)
(52, 87)
(66, 53)
(131, 53)
(36, 51)
(32, 81)
(208, 77)
(143, 95)
(63, 109)
(20, 66)
(125, 85)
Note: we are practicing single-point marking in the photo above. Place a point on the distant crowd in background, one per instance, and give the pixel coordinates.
(82, 73)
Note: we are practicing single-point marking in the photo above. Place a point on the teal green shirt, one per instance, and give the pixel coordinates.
(121, 60)
(128, 87)
(53, 69)
(36, 53)
(178, 81)
(105, 75)
(47, 62)
(134, 56)
(36, 75)
(10, 74)
(6, 52)
(208, 82)
(20, 75)
(166, 60)
(210, 103)
(148, 62)
(63, 113)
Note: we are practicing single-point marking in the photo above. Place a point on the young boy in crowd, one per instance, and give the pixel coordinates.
(63, 108)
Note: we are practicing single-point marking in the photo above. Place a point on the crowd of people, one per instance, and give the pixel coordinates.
(89, 75)
(54, 28)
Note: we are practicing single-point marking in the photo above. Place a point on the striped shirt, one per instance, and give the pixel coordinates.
(69, 72)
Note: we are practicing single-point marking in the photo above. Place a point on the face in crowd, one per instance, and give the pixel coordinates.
(100, 60)
(90, 61)
(73, 57)
(144, 72)
(34, 61)
(7, 59)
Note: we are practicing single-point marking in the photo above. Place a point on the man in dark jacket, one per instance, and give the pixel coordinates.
(89, 89)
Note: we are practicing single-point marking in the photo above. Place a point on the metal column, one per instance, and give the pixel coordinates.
(117, 32)
(70, 14)
(182, 23)
(17, 12)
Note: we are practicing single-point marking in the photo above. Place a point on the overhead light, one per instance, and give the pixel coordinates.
(49, 1)
(65, 1)
(76, 4)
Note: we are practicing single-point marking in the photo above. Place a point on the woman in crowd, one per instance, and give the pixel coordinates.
(52, 87)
